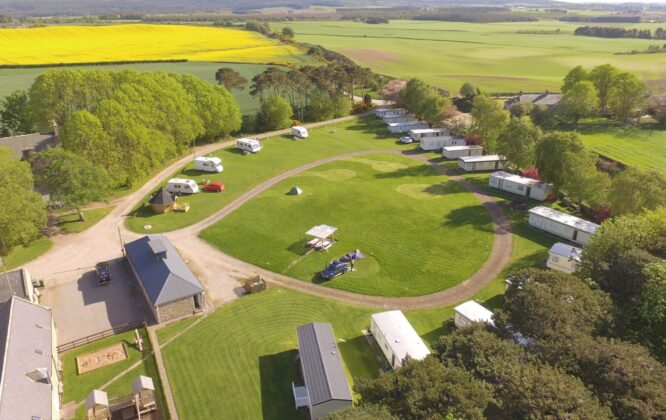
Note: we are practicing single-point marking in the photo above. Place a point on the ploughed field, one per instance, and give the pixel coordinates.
(498, 57)
(420, 231)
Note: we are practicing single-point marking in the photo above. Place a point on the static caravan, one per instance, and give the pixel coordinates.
(516, 184)
(299, 132)
(563, 257)
(470, 312)
(417, 135)
(208, 164)
(398, 128)
(400, 119)
(248, 145)
(397, 338)
(390, 112)
(182, 186)
(437, 143)
(455, 152)
(561, 224)
(481, 163)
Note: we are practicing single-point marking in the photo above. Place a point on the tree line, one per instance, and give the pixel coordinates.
(588, 345)
(615, 32)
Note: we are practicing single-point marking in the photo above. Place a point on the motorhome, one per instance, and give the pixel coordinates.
(182, 186)
(299, 132)
(455, 152)
(249, 145)
(208, 164)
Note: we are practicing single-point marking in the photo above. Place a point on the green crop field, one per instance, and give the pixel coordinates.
(421, 233)
(495, 56)
(22, 78)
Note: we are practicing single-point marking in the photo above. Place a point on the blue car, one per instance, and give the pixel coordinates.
(335, 269)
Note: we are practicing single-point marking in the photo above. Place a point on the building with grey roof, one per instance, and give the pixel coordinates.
(168, 284)
(544, 99)
(326, 387)
(24, 144)
(29, 381)
(17, 283)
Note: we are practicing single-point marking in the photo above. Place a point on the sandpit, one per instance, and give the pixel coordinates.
(100, 358)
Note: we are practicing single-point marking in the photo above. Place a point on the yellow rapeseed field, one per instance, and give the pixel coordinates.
(92, 44)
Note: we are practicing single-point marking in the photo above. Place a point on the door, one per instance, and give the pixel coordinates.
(528, 192)
(393, 360)
(575, 235)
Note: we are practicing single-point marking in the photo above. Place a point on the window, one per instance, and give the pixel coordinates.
(520, 187)
(555, 259)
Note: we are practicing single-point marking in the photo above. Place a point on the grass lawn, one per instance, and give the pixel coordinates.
(22, 78)
(242, 172)
(642, 146)
(77, 387)
(420, 232)
(20, 254)
(240, 361)
(494, 56)
(69, 222)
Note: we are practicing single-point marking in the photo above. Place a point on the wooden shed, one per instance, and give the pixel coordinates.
(162, 202)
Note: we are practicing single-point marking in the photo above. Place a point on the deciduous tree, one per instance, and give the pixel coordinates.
(423, 100)
(14, 115)
(580, 101)
(603, 77)
(551, 156)
(635, 190)
(582, 181)
(518, 142)
(627, 96)
(490, 120)
(230, 78)
(275, 114)
(468, 90)
(575, 75)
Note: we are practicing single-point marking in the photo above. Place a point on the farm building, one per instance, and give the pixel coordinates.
(516, 184)
(29, 380)
(17, 283)
(561, 224)
(24, 144)
(390, 112)
(481, 163)
(563, 257)
(400, 119)
(437, 143)
(397, 128)
(397, 338)
(163, 201)
(417, 135)
(326, 388)
(544, 99)
(166, 281)
(455, 152)
(471, 312)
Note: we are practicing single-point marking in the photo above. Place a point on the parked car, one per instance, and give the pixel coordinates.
(214, 186)
(406, 140)
(103, 270)
(335, 269)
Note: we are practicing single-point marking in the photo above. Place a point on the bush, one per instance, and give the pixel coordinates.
(359, 108)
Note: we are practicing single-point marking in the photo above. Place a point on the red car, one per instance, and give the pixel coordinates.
(214, 187)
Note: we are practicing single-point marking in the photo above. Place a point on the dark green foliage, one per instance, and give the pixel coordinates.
(367, 99)
(468, 90)
(362, 412)
(14, 115)
(635, 190)
(490, 120)
(288, 32)
(423, 100)
(552, 155)
(275, 114)
(230, 78)
(518, 142)
(575, 75)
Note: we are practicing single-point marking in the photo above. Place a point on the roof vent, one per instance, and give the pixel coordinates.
(38, 351)
(397, 340)
(39, 375)
(39, 326)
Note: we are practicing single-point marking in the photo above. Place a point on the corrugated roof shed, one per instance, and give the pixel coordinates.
(165, 277)
(26, 343)
(322, 368)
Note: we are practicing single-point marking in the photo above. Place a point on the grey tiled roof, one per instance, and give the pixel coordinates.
(25, 342)
(322, 368)
(165, 277)
(36, 141)
(161, 197)
(11, 284)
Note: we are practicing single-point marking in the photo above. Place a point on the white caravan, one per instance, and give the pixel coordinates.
(561, 224)
(248, 145)
(299, 132)
(520, 185)
(182, 186)
(481, 163)
(397, 128)
(563, 257)
(437, 143)
(419, 134)
(208, 164)
(455, 152)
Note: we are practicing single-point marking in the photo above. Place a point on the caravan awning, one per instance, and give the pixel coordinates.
(321, 231)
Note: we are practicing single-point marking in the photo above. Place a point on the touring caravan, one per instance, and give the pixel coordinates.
(455, 152)
(299, 132)
(208, 164)
(561, 224)
(248, 145)
(397, 128)
(437, 143)
(182, 186)
(481, 163)
(563, 257)
(419, 134)
(516, 184)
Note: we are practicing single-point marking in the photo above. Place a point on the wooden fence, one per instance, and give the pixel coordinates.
(102, 334)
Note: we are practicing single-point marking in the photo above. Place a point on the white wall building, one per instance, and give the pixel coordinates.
(481, 163)
(419, 134)
(455, 152)
(561, 224)
(397, 338)
(470, 312)
(398, 128)
(437, 143)
(516, 184)
(563, 257)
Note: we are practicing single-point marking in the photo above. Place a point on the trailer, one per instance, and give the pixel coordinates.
(182, 186)
(516, 184)
(564, 225)
(249, 145)
(398, 128)
(563, 257)
(299, 132)
(437, 143)
(419, 134)
(208, 164)
(390, 112)
(455, 152)
(481, 163)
